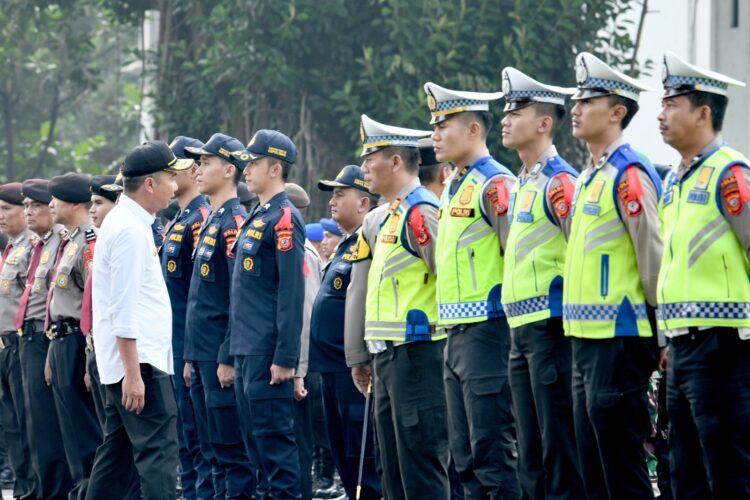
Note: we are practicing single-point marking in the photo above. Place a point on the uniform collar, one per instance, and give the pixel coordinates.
(134, 208)
(607, 153)
(87, 224)
(712, 145)
(227, 206)
(275, 200)
(195, 204)
(408, 188)
(540, 162)
(25, 235)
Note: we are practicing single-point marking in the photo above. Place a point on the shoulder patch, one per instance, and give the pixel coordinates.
(90, 235)
(561, 196)
(419, 227)
(284, 230)
(630, 191)
(361, 250)
(498, 196)
(734, 190)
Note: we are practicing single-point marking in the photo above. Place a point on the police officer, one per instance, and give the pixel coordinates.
(401, 318)
(704, 290)
(540, 357)
(13, 270)
(267, 307)
(473, 228)
(177, 265)
(207, 319)
(81, 432)
(103, 199)
(43, 428)
(344, 405)
(611, 265)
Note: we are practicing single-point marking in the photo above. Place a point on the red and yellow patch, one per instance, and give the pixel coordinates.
(284, 231)
(734, 190)
(419, 227)
(498, 196)
(630, 191)
(230, 236)
(561, 196)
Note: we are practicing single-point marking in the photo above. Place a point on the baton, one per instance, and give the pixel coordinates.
(364, 440)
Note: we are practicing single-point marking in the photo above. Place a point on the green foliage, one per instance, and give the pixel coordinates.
(311, 67)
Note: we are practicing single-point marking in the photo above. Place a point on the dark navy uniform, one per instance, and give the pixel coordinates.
(159, 232)
(344, 404)
(267, 300)
(177, 265)
(207, 344)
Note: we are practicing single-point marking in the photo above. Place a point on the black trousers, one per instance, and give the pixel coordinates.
(271, 413)
(610, 410)
(42, 426)
(196, 476)
(80, 429)
(480, 416)
(540, 376)
(345, 412)
(13, 417)
(97, 389)
(148, 441)
(219, 429)
(708, 399)
(411, 421)
(303, 435)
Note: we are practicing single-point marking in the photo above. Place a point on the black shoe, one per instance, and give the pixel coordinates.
(335, 491)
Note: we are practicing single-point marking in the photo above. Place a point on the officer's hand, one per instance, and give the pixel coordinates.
(47, 373)
(186, 373)
(300, 392)
(87, 381)
(361, 375)
(226, 375)
(280, 374)
(133, 393)
(663, 355)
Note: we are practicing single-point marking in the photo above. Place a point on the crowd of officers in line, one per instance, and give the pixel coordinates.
(505, 326)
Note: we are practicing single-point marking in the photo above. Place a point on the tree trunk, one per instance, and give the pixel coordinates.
(53, 115)
(10, 163)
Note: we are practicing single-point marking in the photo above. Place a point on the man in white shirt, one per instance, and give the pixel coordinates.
(133, 320)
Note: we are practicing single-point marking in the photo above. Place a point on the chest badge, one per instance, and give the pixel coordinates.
(248, 264)
(393, 223)
(205, 269)
(704, 177)
(595, 193)
(259, 223)
(171, 266)
(213, 230)
(338, 283)
(466, 194)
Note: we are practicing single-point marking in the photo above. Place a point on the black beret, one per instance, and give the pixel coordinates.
(246, 196)
(37, 190)
(12, 193)
(427, 153)
(97, 183)
(71, 187)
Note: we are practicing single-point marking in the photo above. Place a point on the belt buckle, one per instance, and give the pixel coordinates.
(20, 332)
(51, 333)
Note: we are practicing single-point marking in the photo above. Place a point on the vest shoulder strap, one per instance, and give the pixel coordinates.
(490, 167)
(624, 157)
(557, 165)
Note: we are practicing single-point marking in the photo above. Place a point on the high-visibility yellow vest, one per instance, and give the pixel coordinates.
(469, 261)
(703, 280)
(603, 295)
(535, 251)
(401, 304)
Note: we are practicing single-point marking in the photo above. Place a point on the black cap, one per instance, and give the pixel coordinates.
(427, 153)
(151, 157)
(12, 193)
(269, 143)
(220, 145)
(246, 196)
(37, 190)
(350, 176)
(179, 144)
(71, 187)
(103, 185)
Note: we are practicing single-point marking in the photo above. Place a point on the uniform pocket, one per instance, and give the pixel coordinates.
(425, 427)
(249, 262)
(486, 400)
(223, 419)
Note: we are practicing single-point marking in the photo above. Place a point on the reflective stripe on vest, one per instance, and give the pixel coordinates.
(603, 295)
(703, 280)
(401, 302)
(534, 252)
(468, 293)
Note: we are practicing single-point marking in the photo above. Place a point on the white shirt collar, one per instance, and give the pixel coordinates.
(133, 207)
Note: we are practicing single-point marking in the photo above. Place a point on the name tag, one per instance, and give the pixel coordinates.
(696, 196)
(175, 237)
(525, 217)
(667, 198)
(462, 212)
(389, 238)
(209, 241)
(591, 209)
(252, 233)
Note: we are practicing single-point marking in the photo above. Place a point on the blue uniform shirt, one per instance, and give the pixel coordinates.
(177, 263)
(328, 310)
(268, 286)
(157, 228)
(207, 319)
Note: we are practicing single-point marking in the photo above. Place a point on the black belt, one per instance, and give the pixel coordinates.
(8, 340)
(63, 328)
(31, 327)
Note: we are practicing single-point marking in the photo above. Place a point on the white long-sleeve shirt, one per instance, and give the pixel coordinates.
(129, 296)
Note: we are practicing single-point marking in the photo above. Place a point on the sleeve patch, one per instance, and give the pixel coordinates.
(734, 190)
(284, 231)
(361, 250)
(230, 236)
(630, 191)
(561, 196)
(419, 227)
(498, 196)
